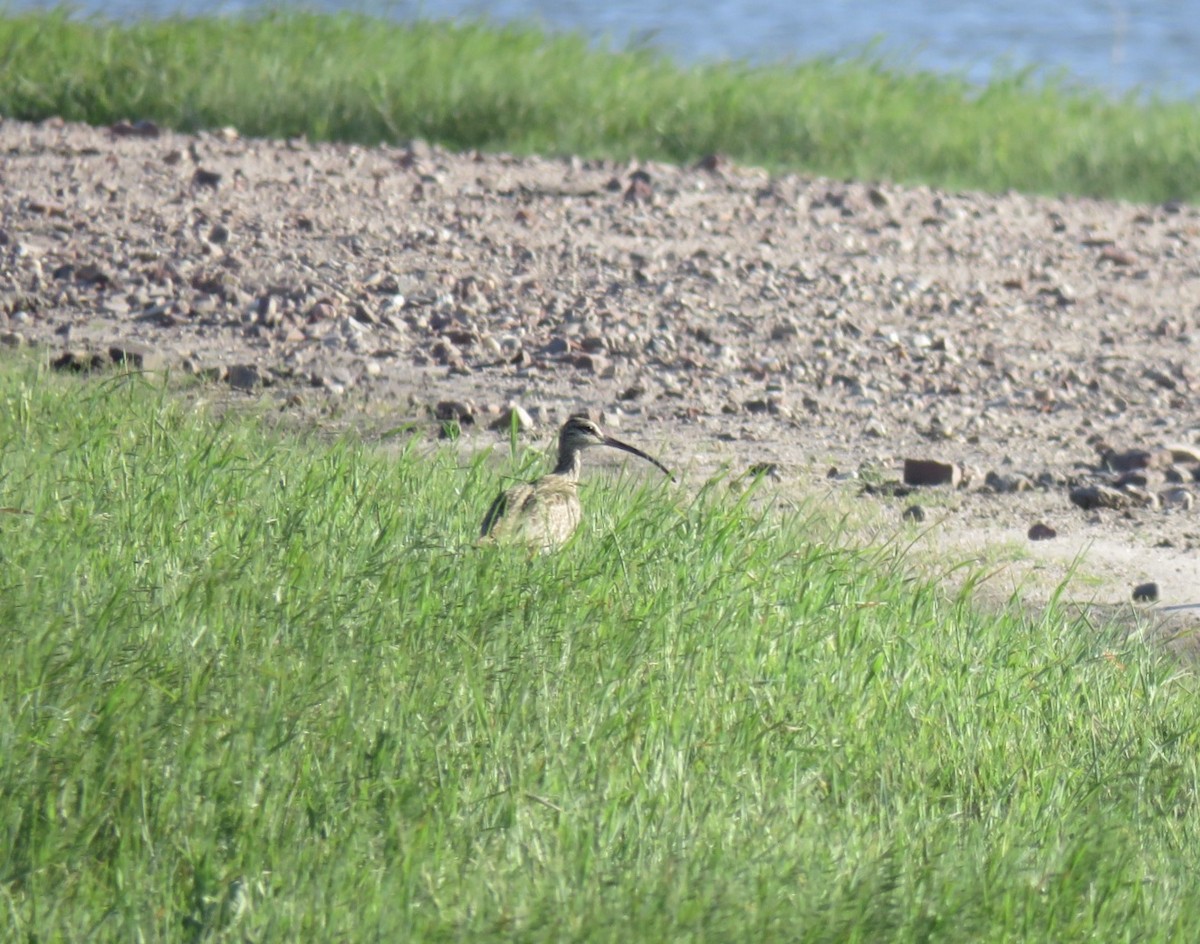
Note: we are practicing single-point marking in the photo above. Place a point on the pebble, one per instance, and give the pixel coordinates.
(1007, 483)
(461, 411)
(211, 374)
(1089, 497)
(1180, 498)
(77, 361)
(1128, 461)
(445, 353)
(640, 189)
(930, 472)
(330, 384)
(1184, 454)
(513, 413)
(593, 364)
(913, 513)
(206, 178)
(243, 377)
(137, 356)
(1145, 592)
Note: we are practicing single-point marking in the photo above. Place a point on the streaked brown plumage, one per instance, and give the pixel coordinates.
(544, 513)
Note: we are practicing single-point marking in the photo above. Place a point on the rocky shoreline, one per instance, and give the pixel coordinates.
(1035, 356)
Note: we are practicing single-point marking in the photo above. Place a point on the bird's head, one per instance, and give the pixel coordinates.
(579, 433)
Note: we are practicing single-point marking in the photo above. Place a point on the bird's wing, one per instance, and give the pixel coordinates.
(510, 510)
(494, 514)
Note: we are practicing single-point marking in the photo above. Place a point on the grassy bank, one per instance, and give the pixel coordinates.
(263, 688)
(355, 79)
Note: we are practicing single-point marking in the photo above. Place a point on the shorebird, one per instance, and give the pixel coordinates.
(545, 512)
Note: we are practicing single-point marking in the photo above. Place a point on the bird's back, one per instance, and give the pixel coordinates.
(542, 514)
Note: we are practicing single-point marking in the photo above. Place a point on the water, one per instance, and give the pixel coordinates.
(1117, 46)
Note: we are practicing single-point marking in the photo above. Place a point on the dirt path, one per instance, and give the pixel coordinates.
(829, 329)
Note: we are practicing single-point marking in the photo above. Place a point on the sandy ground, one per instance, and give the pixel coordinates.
(716, 315)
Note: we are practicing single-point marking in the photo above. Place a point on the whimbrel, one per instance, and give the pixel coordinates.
(545, 512)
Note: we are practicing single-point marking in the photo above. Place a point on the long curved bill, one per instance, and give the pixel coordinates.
(625, 447)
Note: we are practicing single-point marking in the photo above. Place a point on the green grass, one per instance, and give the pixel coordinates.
(261, 687)
(351, 78)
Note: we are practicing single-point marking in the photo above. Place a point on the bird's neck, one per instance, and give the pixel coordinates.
(570, 462)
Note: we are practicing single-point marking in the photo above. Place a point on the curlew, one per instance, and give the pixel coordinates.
(545, 512)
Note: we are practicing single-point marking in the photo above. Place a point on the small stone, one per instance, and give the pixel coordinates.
(138, 357)
(1007, 483)
(927, 472)
(1120, 257)
(1145, 592)
(445, 353)
(136, 129)
(889, 489)
(215, 373)
(1130, 460)
(765, 470)
(1136, 479)
(1161, 378)
(1177, 498)
(77, 361)
(363, 315)
(323, 310)
(913, 513)
(1184, 454)
(592, 364)
(1062, 295)
(244, 377)
(640, 189)
(1042, 532)
(786, 331)
(513, 414)
(458, 411)
(1089, 497)
(267, 311)
(93, 274)
(1140, 496)
(206, 178)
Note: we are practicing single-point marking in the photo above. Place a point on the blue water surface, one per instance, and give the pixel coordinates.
(1148, 47)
